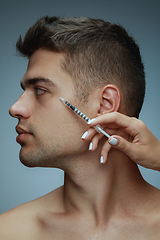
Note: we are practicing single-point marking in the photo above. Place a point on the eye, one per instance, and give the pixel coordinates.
(39, 91)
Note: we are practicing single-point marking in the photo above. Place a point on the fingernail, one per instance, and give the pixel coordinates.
(84, 135)
(90, 146)
(90, 121)
(113, 141)
(101, 159)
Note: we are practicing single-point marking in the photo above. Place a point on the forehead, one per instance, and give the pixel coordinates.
(44, 56)
(47, 64)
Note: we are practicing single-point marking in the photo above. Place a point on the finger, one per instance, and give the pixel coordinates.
(115, 117)
(117, 120)
(94, 141)
(104, 152)
(130, 149)
(89, 134)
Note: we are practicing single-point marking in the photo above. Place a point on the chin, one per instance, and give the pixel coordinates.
(26, 162)
(28, 159)
(34, 158)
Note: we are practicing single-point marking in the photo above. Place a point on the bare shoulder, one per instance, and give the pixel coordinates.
(23, 220)
(15, 223)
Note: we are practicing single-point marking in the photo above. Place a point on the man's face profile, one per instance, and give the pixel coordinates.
(45, 128)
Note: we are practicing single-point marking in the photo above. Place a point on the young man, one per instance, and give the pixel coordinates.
(97, 67)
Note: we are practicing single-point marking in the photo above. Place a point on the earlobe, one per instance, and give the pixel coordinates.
(110, 99)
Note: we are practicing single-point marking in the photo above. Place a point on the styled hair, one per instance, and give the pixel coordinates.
(96, 53)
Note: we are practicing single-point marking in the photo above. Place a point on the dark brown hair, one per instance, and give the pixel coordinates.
(96, 53)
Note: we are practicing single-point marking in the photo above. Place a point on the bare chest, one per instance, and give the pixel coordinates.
(77, 230)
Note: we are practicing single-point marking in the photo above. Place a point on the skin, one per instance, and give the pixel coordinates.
(97, 201)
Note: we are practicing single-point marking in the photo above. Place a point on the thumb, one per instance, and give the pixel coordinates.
(123, 145)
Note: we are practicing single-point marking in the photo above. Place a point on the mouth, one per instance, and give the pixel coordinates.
(22, 134)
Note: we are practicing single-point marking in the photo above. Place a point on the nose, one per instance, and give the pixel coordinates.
(20, 109)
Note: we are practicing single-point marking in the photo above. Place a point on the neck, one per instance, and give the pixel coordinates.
(99, 189)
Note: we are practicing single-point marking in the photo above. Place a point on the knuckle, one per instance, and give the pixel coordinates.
(138, 124)
(141, 124)
(121, 144)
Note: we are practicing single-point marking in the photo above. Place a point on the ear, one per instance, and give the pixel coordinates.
(110, 99)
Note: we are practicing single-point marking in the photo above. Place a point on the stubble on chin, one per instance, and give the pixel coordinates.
(39, 157)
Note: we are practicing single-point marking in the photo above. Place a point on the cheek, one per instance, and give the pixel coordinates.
(58, 124)
(62, 137)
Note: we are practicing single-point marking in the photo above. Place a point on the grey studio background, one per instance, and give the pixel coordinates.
(19, 184)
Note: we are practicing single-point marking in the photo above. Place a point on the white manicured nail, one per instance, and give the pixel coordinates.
(113, 141)
(84, 135)
(101, 159)
(90, 121)
(90, 146)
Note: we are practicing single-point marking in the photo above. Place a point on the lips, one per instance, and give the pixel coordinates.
(20, 130)
(22, 134)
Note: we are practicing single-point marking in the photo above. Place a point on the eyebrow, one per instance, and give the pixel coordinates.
(33, 81)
